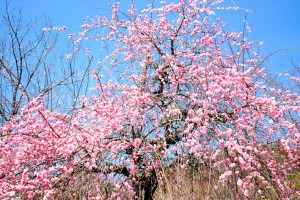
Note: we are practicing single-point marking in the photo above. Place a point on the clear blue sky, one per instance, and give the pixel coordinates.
(275, 22)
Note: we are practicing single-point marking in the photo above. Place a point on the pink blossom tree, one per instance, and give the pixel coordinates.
(187, 89)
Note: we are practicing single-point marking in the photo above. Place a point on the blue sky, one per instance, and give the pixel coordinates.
(275, 22)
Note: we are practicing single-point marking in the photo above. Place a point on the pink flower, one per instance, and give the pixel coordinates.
(239, 182)
(225, 175)
(137, 142)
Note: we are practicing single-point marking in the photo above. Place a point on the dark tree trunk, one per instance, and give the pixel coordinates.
(148, 185)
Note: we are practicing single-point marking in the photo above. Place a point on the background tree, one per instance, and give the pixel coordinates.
(31, 66)
(185, 93)
(24, 66)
